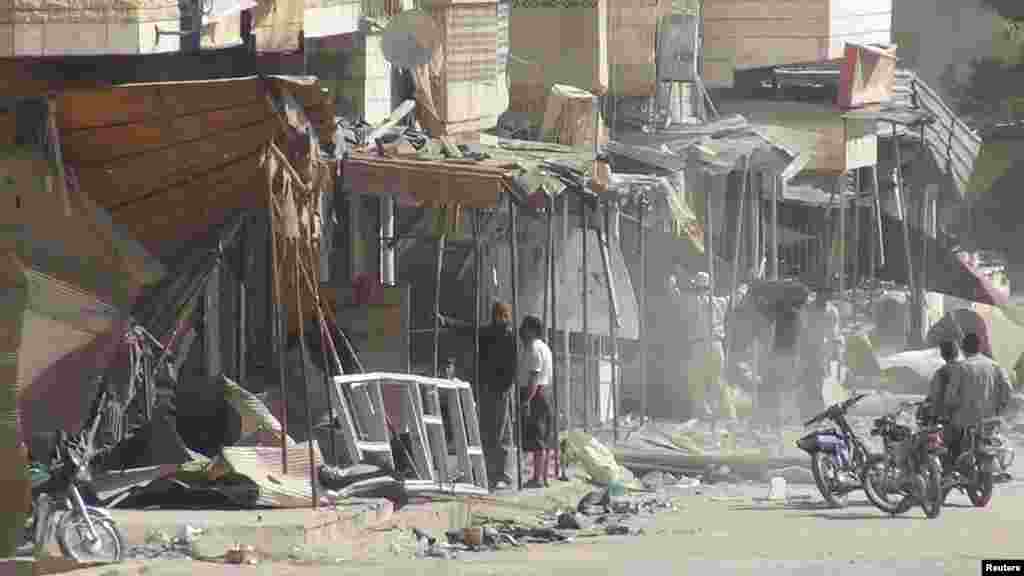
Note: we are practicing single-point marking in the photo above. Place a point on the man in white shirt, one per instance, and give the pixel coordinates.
(535, 370)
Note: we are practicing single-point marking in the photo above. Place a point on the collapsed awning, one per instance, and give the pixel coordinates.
(947, 272)
(169, 161)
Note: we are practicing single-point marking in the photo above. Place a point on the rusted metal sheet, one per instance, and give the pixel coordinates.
(262, 465)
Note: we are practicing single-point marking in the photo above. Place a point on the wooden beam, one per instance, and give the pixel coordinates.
(127, 179)
(212, 349)
(103, 144)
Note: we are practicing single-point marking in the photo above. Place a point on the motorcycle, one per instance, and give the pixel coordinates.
(910, 465)
(84, 533)
(975, 468)
(837, 454)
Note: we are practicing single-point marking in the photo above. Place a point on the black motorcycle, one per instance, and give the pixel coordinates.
(837, 454)
(975, 468)
(84, 533)
(910, 467)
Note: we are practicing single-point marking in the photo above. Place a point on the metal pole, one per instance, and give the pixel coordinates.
(613, 319)
(241, 330)
(643, 305)
(387, 240)
(566, 359)
(438, 266)
(902, 206)
(709, 246)
(548, 204)
(856, 231)
(840, 184)
(513, 240)
(738, 240)
(773, 247)
(477, 293)
(278, 327)
(585, 287)
(303, 358)
(554, 331)
(878, 259)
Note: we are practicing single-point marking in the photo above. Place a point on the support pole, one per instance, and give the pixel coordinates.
(241, 304)
(438, 266)
(709, 247)
(879, 213)
(613, 318)
(278, 324)
(303, 359)
(840, 184)
(548, 204)
(513, 240)
(643, 306)
(741, 215)
(387, 240)
(585, 287)
(477, 293)
(556, 368)
(855, 283)
(901, 203)
(773, 243)
(566, 359)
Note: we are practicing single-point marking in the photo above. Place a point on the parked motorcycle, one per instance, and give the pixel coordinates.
(837, 454)
(975, 468)
(84, 533)
(910, 467)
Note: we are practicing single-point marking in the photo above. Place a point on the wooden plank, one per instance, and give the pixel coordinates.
(97, 145)
(416, 390)
(139, 102)
(175, 213)
(134, 177)
(715, 10)
(381, 420)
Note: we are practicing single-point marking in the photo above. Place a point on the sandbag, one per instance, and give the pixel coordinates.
(597, 460)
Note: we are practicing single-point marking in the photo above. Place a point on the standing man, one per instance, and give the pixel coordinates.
(782, 368)
(983, 391)
(535, 369)
(497, 378)
(710, 399)
(818, 350)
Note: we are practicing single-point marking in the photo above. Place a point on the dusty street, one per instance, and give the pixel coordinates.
(723, 527)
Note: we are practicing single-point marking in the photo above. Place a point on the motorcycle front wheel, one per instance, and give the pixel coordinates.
(879, 487)
(980, 492)
(75, 542)
(825, 470)
(932, 494)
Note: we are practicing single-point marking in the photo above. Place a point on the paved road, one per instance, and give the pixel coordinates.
(721, 531)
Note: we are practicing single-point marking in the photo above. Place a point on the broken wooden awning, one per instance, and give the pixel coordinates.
(427, 182)
(169, 161)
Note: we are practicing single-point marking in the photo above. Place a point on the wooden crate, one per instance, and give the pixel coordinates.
(552, 44)
(764, 33)
(569, 118)
(467, 86)
(868, 76)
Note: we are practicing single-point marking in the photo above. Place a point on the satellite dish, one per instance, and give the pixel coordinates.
(410, 39)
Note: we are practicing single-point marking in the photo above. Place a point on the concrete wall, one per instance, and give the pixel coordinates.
(939, 38)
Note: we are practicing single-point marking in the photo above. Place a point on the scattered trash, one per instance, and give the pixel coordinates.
(777, 489)
(622, 530)
(189, 534)
(597, 460)
(573, 521)
(241, 555)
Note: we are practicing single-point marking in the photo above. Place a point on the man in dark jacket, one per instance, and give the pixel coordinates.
(498, 366)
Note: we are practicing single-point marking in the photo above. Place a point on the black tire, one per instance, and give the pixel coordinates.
(874, 487)
(931, 499)
(824, 469)
(69, 537)
(980, 494)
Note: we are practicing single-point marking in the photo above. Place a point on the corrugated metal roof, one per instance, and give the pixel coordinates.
(952, 143)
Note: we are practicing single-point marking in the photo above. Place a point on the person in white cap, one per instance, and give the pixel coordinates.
(704, 378)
